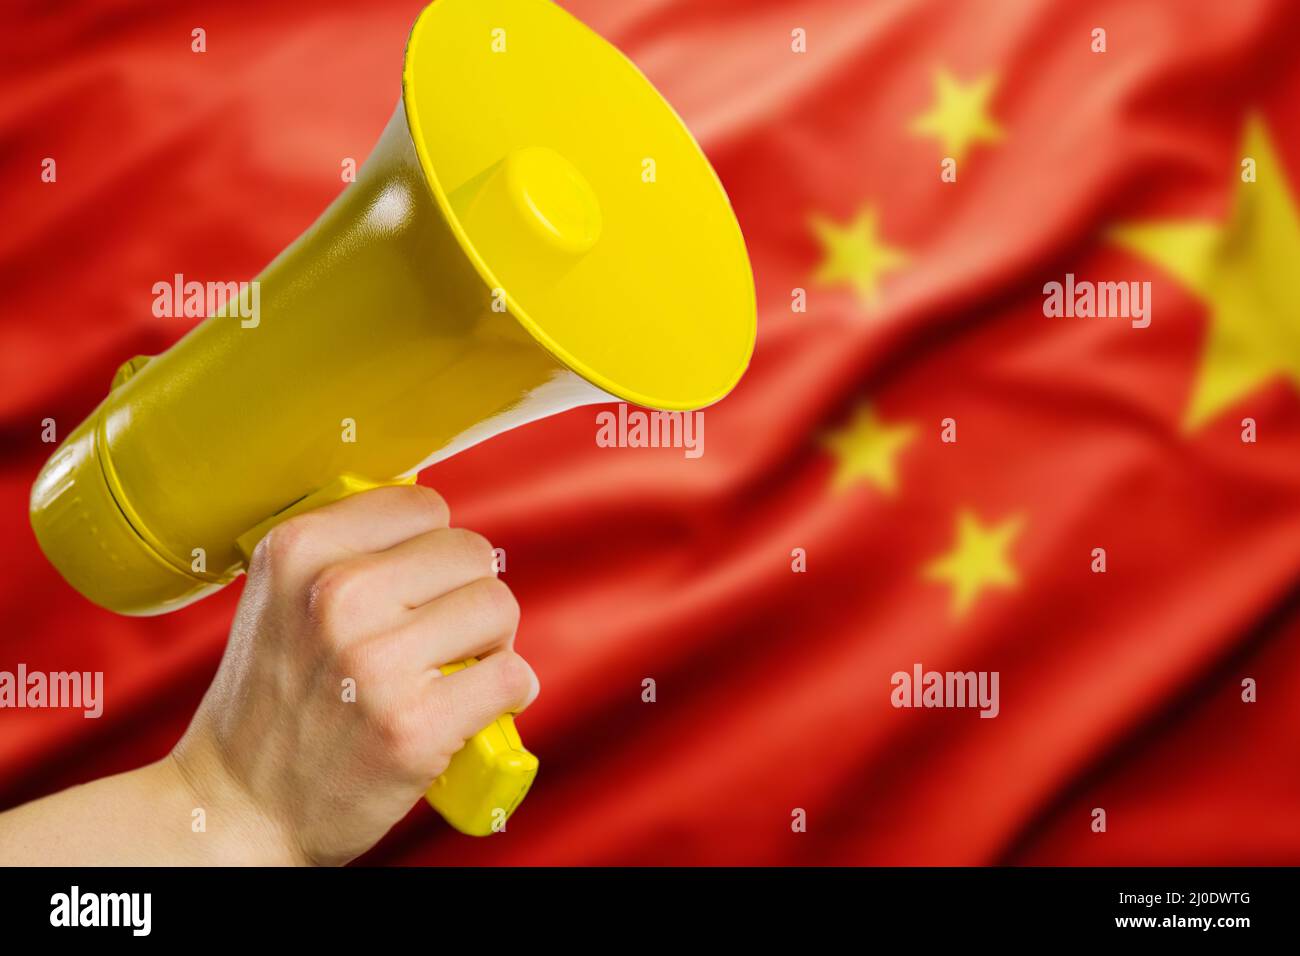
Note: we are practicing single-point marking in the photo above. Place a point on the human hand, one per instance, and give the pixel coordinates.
(375, 589)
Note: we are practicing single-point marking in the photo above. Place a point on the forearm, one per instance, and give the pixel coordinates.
(329, 715)
(145, 817)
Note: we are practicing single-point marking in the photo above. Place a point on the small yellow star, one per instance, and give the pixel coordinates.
(855, 255)
(960, 116)
(977, 561)
(867, 448)
(1245, 271)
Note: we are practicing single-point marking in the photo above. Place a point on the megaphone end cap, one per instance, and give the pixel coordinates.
(554, 199)
(85, 535)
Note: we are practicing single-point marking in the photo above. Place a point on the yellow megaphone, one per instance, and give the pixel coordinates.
(535, 230)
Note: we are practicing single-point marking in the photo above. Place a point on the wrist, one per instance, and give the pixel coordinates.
(227, 826)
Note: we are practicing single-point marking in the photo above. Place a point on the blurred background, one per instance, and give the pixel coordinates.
(829, 536)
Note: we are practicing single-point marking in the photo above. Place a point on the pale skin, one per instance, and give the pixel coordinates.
(376, 588)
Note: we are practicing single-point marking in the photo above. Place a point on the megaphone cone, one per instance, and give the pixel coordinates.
(535, 230)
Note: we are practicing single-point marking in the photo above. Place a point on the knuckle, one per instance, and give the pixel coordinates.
(472, 549)
(405, 738)
(500, 605)
(332, 598)
(286, 543)
(514, 676)
(426, 499)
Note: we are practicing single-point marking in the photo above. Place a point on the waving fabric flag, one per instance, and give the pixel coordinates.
(1025, 410)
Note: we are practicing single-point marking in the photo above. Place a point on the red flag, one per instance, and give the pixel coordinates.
(1025, 402)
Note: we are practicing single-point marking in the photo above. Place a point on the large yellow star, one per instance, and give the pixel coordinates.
(855, 255)
(960, 116)
(867, 448)
(1246, 271)
(977, 561)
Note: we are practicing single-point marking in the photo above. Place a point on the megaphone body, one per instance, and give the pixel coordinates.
(501, 257)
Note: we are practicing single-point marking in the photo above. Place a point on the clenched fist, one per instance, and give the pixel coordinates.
(329, 717)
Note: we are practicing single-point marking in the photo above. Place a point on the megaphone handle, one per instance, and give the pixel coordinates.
(488, 777)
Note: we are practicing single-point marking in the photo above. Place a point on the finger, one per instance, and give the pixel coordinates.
(420, 569)
(468, 622)
(300, 547)
(380, 518)
(465, 702)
